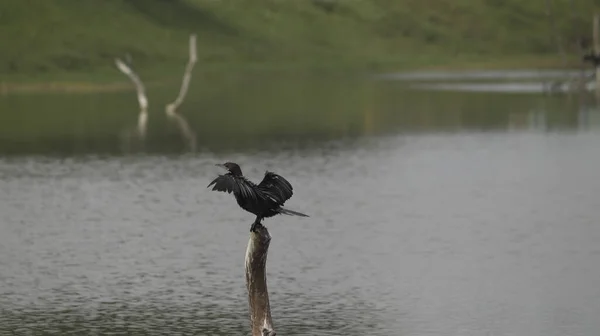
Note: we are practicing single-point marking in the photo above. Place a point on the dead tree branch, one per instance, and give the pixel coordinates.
(171, 109)
(256, 282)
(141, 96)
(187, 76)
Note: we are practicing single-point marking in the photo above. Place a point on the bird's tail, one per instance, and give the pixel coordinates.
(291, 213)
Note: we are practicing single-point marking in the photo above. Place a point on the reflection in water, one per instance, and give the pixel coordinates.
(252, 112)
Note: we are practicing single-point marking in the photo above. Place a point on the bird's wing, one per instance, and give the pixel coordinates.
(276, 186)
(238, 185)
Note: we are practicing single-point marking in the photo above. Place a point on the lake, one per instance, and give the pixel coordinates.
(433, 212)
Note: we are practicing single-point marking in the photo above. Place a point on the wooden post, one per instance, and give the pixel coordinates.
(256, 282)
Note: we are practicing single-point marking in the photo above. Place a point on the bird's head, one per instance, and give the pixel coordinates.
(233, 168)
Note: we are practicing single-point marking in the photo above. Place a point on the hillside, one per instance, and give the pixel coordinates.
(80, 36)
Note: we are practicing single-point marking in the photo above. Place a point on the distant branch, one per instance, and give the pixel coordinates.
(171, 109)
(187, 76)
(256, 282)
(141, 95)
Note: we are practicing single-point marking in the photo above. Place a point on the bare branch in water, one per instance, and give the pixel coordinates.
(141, 95)
(187, 76)
(171, 109)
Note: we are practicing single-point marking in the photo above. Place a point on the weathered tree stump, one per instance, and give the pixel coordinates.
(256, 282)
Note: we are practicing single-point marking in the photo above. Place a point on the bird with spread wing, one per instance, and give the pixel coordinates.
(264, 200)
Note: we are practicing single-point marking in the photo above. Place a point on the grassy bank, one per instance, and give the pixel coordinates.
(77, 40)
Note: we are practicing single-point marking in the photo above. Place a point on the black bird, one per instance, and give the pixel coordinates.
(593, 58)
(264, 200)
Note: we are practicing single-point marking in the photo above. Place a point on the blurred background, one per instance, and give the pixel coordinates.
(447, 152)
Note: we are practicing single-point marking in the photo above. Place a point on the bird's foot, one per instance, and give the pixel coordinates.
(255, 226)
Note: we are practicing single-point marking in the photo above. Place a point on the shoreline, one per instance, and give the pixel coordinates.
(107, 81)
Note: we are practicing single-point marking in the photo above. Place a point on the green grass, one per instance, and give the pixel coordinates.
(41, 40)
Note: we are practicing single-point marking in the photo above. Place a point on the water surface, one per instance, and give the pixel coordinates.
(432, 213)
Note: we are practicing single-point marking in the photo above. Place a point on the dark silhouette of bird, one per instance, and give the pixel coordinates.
(593, 58)
(265, 199)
